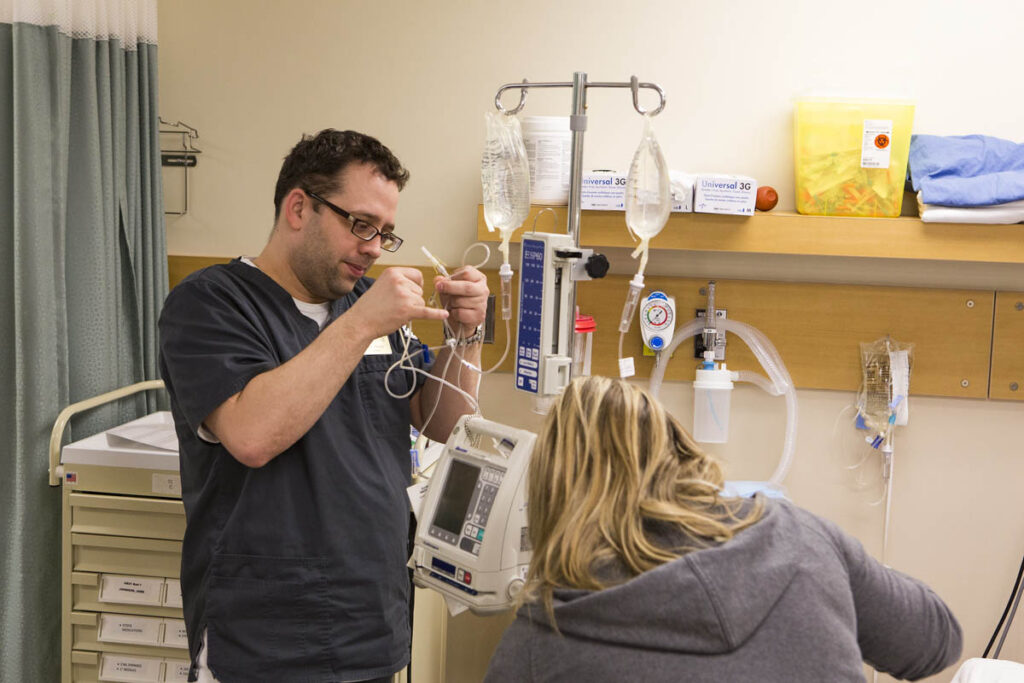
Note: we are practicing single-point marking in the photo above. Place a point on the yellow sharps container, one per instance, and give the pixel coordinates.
(851, 155)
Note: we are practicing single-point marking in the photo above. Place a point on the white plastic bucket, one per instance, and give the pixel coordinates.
(548, 143)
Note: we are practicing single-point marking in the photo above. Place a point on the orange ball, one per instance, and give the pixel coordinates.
(767, 198)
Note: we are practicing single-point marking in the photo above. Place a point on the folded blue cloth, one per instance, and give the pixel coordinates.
(966, 170)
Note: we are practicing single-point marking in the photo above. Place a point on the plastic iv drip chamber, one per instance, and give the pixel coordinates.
(505, 274)
(632, 297)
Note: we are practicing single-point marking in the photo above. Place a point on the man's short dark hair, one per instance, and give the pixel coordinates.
(315, 163)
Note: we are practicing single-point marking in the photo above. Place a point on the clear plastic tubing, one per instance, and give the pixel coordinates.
(760, 381)
(780, 381)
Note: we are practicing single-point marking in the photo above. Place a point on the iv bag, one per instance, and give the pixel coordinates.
(505, 174)
(885, 381)
(648, 191)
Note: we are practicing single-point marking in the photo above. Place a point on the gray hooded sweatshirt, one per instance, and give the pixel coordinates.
(791, 598)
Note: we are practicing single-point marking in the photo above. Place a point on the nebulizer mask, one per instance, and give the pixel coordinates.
(648, 203)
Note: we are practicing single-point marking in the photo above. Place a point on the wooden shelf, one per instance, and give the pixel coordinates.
(791, 233)
(966, 340)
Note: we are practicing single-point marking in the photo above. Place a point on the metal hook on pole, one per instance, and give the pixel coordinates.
(522, 97)
(635, 85)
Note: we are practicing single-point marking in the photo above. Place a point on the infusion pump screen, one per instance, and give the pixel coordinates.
(455, 496)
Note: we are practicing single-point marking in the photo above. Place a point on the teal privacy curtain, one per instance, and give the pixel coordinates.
(83, 271)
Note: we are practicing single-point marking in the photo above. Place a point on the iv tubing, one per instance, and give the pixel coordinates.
(506, 235)
(505, 274)
(508, 345)
(437, 399)
(641, 251)
(770, 360)
(887, 453)
(405, 362)
(633, 296)
(407, 356)
(629, 308)
(487, 254)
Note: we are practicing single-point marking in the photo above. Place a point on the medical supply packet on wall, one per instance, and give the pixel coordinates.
(606, 191)
(850, 155)
(722, 193)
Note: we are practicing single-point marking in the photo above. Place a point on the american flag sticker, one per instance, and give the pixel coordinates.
(71, 477)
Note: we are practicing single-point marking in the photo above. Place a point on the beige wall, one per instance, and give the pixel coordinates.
(252, 75)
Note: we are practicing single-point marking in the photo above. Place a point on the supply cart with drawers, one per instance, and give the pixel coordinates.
(122, 526)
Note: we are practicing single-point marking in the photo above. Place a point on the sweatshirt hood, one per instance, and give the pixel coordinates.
(708, 601)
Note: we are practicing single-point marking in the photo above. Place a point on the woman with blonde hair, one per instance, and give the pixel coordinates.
(643, 571)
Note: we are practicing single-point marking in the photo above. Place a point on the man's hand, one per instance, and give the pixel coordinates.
(464, 295)
(395, 298)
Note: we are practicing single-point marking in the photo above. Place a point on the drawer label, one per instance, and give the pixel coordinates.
(122, 628)
(167, 484)
(173, 595)
(177, 671)
(135, 590)
(175, 634)
(129, 668)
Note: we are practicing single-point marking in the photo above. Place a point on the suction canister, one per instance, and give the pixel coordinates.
(712, 391)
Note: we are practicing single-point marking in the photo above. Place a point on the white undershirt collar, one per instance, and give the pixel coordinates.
(318, 313)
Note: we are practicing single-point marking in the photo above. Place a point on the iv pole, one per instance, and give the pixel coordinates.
(578, 126)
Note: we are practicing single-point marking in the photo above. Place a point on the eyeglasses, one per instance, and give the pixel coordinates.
(389, 241)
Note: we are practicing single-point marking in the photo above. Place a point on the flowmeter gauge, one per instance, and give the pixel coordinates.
(658, 320)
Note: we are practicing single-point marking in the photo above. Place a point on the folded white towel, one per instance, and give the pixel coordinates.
(1010, 212)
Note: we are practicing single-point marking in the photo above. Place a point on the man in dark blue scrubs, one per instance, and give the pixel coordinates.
(294, 454)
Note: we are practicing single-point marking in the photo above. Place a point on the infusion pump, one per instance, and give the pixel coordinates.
(472, 544)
